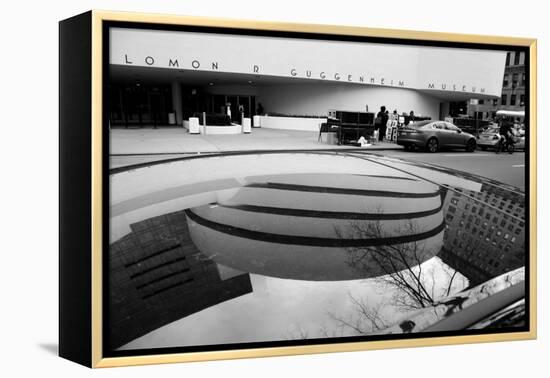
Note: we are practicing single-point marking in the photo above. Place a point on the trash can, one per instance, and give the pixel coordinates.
(246, 126)
(194, 125)
(171, 118)
(257, 121)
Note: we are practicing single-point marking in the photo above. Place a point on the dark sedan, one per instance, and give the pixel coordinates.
(434, 135)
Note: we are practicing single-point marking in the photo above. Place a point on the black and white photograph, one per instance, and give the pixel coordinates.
(276, 189)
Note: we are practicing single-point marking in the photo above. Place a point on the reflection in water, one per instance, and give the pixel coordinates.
(485, 234)
(302, 226)
(158, 276)
(307, 255)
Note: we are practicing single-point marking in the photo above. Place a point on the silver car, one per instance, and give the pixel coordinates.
(490, 137)
(433, 135)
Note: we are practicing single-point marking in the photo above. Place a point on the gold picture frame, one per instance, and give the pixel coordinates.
(88, 330)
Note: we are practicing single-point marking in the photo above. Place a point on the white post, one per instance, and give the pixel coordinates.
(246, 126)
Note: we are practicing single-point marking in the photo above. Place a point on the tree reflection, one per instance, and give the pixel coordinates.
(364, 318)
(399, 265)
(412, 284)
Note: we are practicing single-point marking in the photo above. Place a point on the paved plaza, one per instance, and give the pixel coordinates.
(177, 140)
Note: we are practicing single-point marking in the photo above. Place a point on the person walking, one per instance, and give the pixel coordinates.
(411, 117)
(382, 117)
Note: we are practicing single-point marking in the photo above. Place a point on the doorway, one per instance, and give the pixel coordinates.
(216, 104)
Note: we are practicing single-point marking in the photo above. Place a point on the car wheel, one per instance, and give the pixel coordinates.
(432, 145)
(471, 145)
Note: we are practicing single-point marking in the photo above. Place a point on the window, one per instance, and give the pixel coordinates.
(513, 99)
(523, 79)
(515, 80)
(481, 102)
(516, 58)
(505, 81)
(450, 127)
(508, 59)
(503, 99)
(522, 100)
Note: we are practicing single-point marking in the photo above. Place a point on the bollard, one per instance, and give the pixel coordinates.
(246, 126)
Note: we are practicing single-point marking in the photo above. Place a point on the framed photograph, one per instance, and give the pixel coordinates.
(235, 189)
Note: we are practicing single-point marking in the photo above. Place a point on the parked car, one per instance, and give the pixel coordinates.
(489, 138)
(434, 135)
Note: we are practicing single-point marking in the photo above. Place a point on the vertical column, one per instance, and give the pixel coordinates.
(177, 101)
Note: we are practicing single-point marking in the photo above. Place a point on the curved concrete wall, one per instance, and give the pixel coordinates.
(291, 123)
(318, 98)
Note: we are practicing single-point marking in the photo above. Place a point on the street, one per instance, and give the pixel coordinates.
(504, 167)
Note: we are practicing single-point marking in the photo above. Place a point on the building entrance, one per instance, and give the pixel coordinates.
(139, 105)
(217, 104)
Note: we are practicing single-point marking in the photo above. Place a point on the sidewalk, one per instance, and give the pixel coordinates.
(179, 141)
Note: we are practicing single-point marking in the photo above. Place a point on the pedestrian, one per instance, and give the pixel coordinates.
(411, 117)
(382, 118)
(241, 113)
(394, 115)
(260, 109)
(228, 110)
